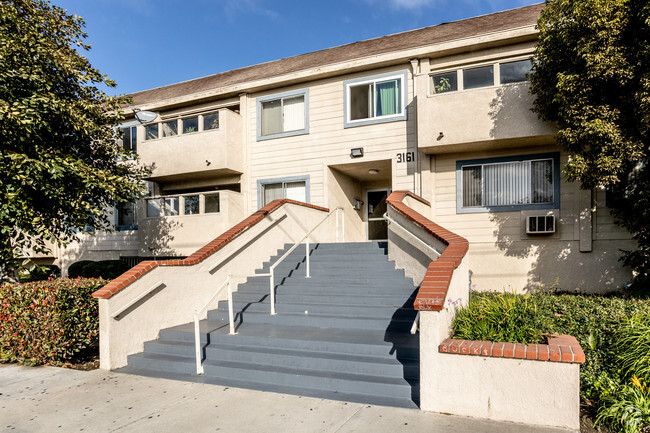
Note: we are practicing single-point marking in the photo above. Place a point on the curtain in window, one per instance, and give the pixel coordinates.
(296, 191)
(388, 98)
(294, 114)
(472, 186)
(542, 181)
(506, 184)
(271, 117)
(272, 191)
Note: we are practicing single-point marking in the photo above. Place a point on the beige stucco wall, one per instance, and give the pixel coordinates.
(190, 153)
(183, 290)
(182, 235)
(582, 255)
(329, 143)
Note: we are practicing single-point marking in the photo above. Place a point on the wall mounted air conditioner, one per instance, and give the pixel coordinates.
(540, 224)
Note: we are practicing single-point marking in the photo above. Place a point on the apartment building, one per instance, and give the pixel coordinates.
(443, 112)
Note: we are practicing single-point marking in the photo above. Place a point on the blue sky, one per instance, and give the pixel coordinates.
(142, 44)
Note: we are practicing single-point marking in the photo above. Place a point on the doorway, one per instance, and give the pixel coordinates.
(375, 210)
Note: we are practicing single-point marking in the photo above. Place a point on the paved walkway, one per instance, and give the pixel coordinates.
(48, 399)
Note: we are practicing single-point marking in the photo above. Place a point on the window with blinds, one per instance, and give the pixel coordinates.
(508, 184)
(294, 190)
(282, 115)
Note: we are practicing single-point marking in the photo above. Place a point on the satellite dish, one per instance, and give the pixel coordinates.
(145, 116)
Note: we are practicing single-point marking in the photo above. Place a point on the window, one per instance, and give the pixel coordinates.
(514, 72)
(210, 121)
(478, 77)
(282, 115)
(447, 82)
(190, 124)
(191, 205)
(467, 78)
(130, 139)
(211, 203)
(170, 128)
(375, 100)
(294, 188)
(504, 184)
(151, 132)
(126, 216)
(163, 206)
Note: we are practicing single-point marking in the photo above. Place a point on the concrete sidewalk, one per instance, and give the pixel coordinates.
(48, 399)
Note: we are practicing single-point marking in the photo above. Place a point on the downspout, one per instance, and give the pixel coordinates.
(417, 174)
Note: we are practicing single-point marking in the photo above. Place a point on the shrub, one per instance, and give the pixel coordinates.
(626, 407)
(41, 272)
(633, 347)
(76, 268)
(107, 269)
(48, 322)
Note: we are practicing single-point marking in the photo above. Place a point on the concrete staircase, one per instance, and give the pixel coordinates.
(342, 334)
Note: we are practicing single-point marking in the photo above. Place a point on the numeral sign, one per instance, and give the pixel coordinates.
(406, 157)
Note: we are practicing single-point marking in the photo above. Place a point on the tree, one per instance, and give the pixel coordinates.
(591, 76)
(60, 165)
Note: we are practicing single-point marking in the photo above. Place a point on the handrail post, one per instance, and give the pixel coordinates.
(197, 344)
(337, 225)
(343, 225)
(273, 313)
(307, 257)
(231, 314)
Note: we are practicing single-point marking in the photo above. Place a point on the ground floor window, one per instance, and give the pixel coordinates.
(126, 216)
(512, 183)
(295, 188)
(186, 204)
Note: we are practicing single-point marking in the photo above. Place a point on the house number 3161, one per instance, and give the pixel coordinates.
(406, 157)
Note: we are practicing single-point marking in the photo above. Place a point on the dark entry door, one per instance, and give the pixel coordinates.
(376, 208)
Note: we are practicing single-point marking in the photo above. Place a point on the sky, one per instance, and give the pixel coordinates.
(143, 44)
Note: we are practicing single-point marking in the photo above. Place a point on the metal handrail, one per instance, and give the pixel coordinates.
(197, 315)
(392, 221)
(271, 273)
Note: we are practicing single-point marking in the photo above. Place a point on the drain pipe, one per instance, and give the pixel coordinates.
(417, 175)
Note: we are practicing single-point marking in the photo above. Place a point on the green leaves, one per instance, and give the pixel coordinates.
(61, 167)
(591, 76)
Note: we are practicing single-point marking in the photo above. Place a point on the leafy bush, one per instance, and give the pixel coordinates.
(626, 407)
(633, 347)
(41, 272)
(598, 322)
(75, 269)
(48, 322)
(107, 269)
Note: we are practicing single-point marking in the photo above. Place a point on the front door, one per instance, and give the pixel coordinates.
(376, 208)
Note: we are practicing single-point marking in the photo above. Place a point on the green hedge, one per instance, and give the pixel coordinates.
(48, 322)
(107, 269)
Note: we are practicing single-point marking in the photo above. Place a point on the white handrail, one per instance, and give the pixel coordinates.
(271, 273)
(392, 221)
(199, 313)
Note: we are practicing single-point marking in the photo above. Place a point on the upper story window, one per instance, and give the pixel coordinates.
(475, 77)
(130, 139)
(507, 184)
(377, 99)
(283, 115)
(185, 204)
(126, 216)
(182, 125)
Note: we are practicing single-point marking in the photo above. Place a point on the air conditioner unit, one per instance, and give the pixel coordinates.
(540, 224)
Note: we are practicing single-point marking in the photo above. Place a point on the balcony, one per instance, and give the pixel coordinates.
(204, 153)
(498, 116)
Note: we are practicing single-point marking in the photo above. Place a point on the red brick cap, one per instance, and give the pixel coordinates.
(435, 285)
(559, 348)
(198, 256)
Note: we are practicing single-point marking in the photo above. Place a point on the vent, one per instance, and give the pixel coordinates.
(540, 224)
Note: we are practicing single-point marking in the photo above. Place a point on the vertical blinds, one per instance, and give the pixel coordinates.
(283, 115)
(507, 184)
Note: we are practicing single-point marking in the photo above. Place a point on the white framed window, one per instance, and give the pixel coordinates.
(151, 131)
(183, 205)
(293, 188)
(479, 76)
(507, 184)
(377, 99)
(283, 115)
(130, 139)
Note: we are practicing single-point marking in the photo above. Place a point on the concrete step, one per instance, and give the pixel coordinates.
(282, 306)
